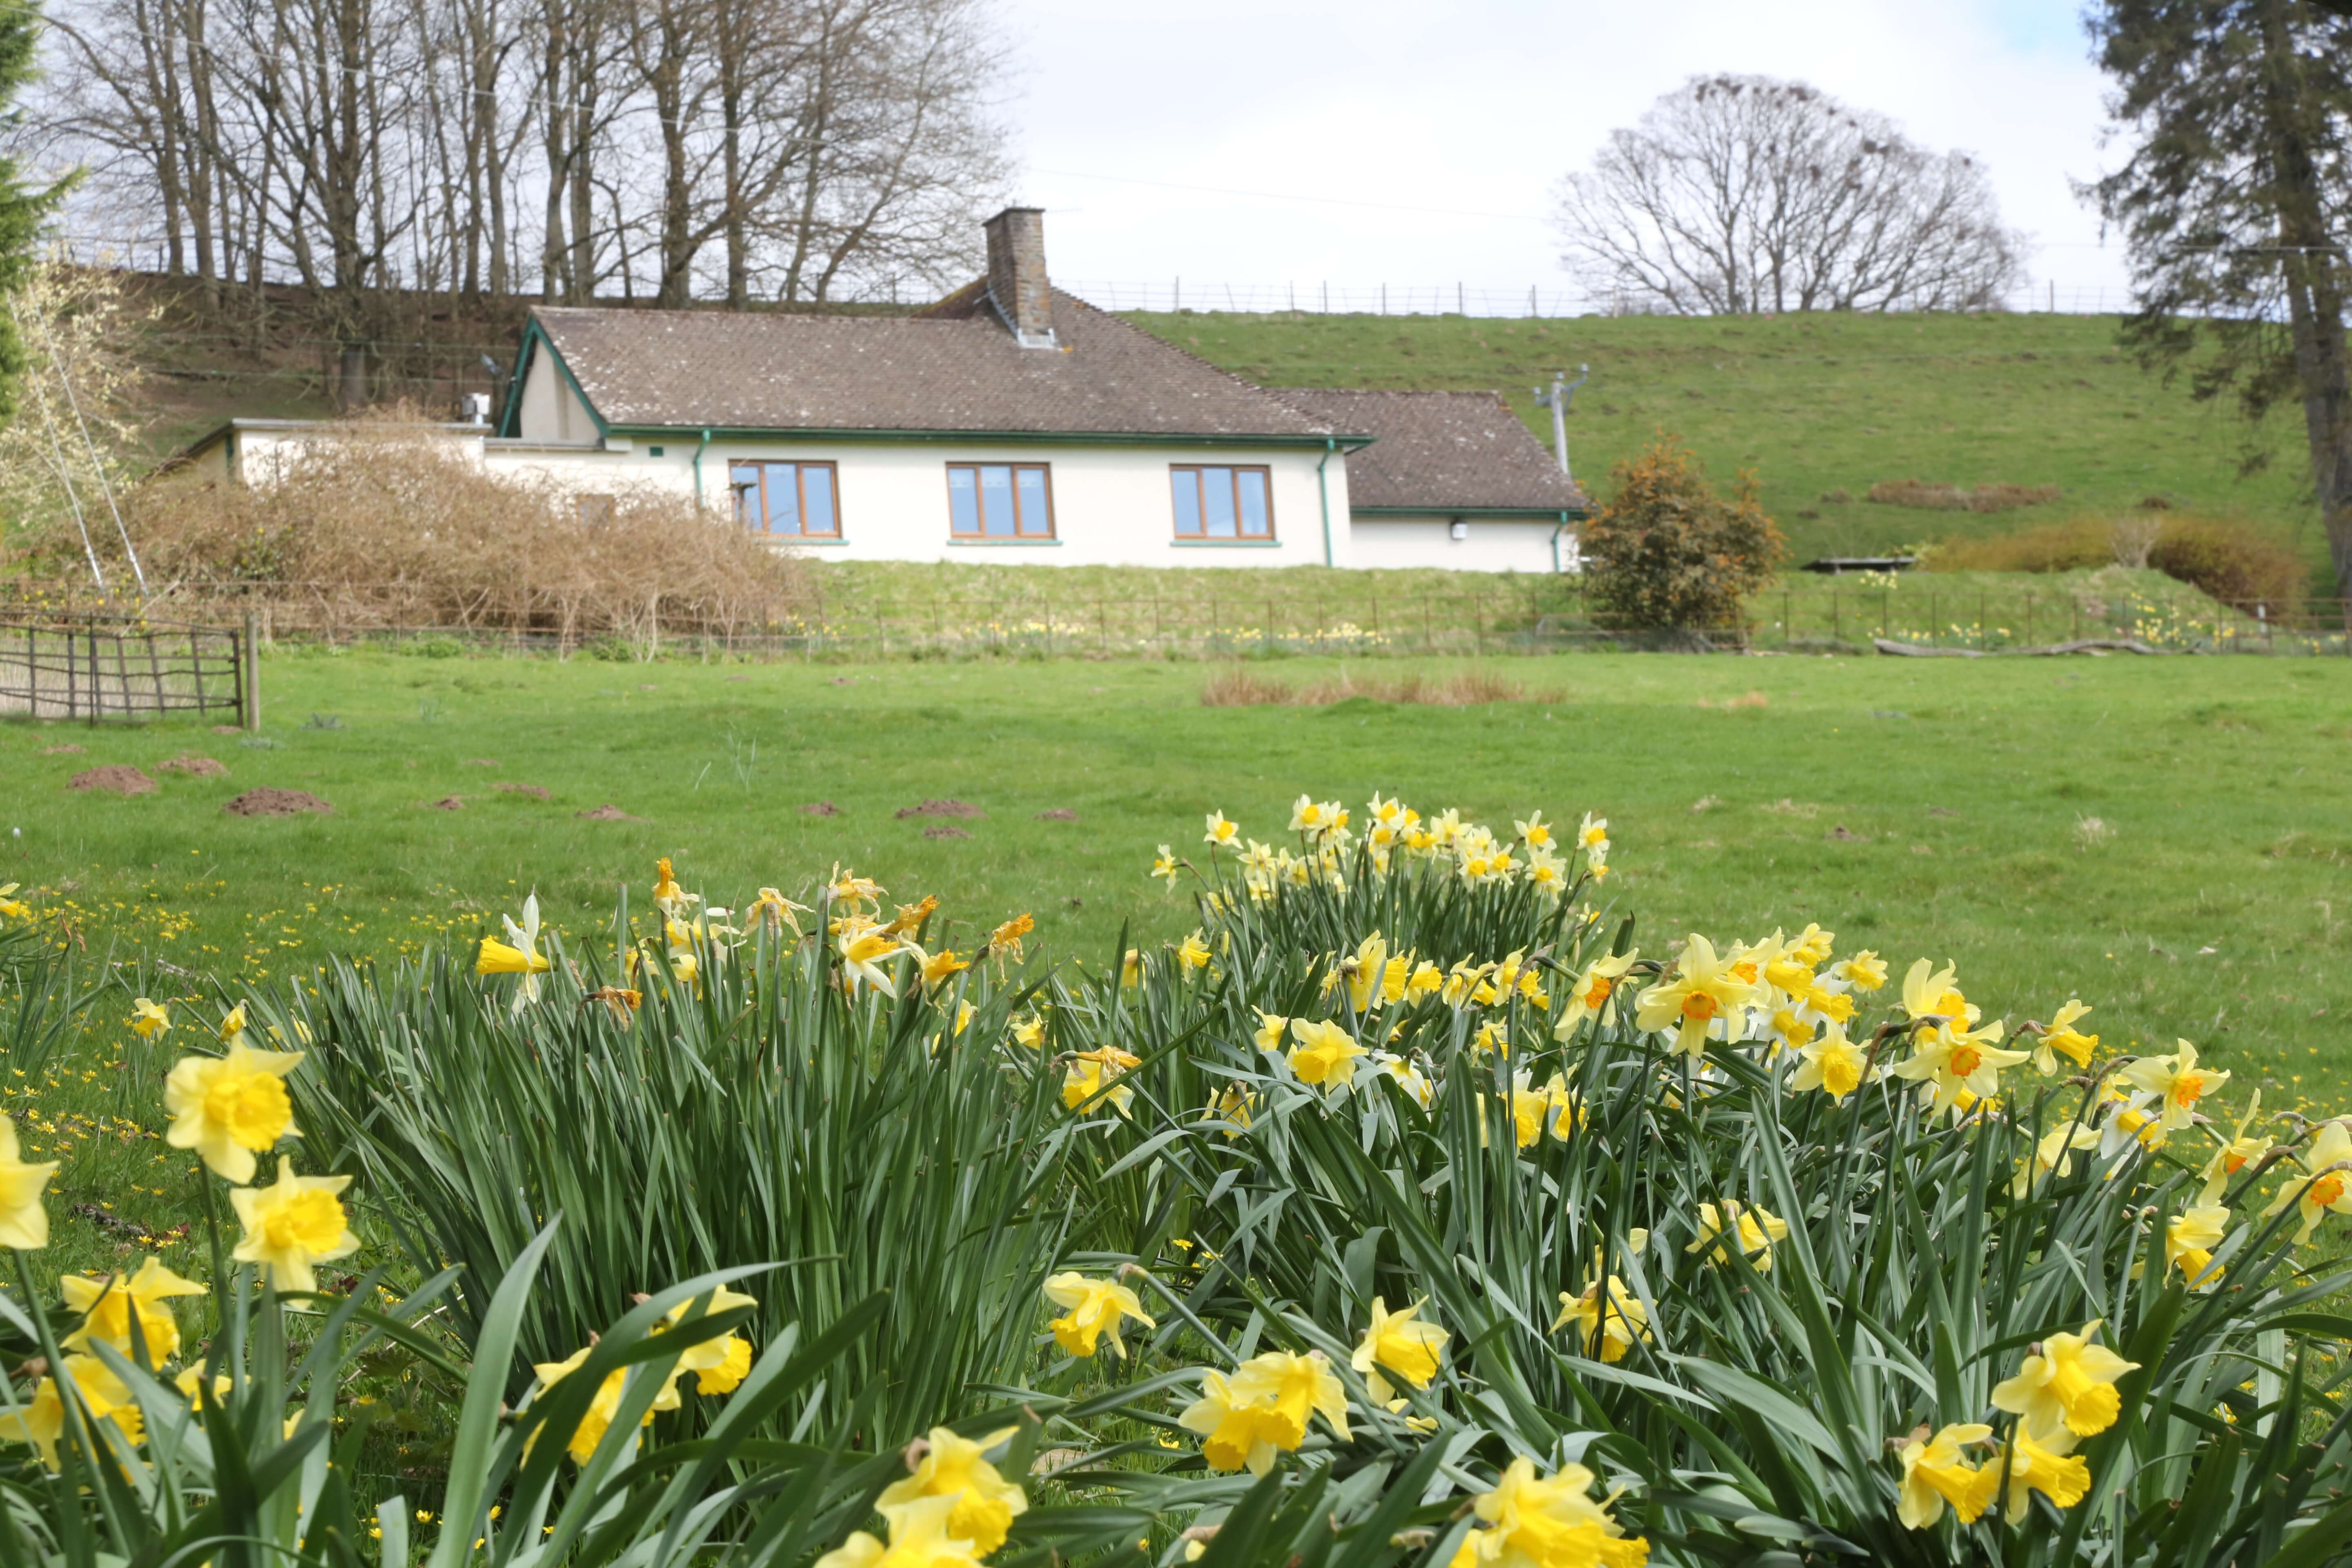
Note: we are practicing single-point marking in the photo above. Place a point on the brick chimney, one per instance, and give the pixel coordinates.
(1016, 275)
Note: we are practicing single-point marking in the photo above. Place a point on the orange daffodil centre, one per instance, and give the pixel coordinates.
(1956, 1062)
(1702, 993)
(2177, 1082)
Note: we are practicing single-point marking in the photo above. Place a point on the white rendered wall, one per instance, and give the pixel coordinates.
(1499, 545)
(1112, 505)
(551, 411)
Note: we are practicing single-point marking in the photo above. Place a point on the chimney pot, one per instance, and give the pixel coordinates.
(1016, 275)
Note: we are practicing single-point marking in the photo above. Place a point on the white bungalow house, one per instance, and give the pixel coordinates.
(1008, 417)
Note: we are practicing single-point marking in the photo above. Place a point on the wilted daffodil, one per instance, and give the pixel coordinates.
(1095, 1308)
(1263, 1408)
(106, 1306)
(985, 1504)
(1936, 1473)
(1686, 1004)
(2061, 1037)
(293, 1225)
(519, 954)
(1399, 1342)
(2328, 1190)
(1750, 1229)
(920, 1537)
(2177, 1083)
(149, 1019)
(2067, 1382)
(1548, 1522)
(1324, 1054)
(230, 1108)
(23, 1222)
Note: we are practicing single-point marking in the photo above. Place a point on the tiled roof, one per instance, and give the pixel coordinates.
(953, 368)
(1439, 451)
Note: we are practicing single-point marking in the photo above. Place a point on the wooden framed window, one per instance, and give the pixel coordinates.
(786, 501)
(1219, 502)
(1000, 500)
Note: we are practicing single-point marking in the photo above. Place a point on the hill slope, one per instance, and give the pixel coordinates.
(1820, 404)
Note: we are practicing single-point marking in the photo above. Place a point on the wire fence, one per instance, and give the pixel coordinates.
(95, 667)
(1536, 300)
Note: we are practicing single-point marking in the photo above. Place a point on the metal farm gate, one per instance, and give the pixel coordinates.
(123, 666)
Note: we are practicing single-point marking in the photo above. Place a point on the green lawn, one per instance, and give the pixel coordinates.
(1820, 404)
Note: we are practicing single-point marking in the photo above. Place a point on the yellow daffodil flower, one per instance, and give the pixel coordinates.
(1749, 1228)
(2066, 1381)
(1608, 1321)
(23, 1222)
(938, 968)
(2327, 1190)
(12, 908)
(1365, 970)
(108, 1303)
(1401, 1343)
(190, 1383)
(1547, 873)
(1029, 1031)
(1271, 1026)
(1592, 835)
(1866, 970)
(2234, 1155)
(668, 897)
(519, 954)
(920, 1537)
(2053, 1154)
(1324, 1054)
(1263, 1408)
(865, 949)
(1095, 1310)
(1094, 1075)
(1222, 833)
(2189, 1239)
(1551, 1523)
(1935, 1473)
(734, 1365)
(1831, 1062)
(605, 1406)
(1535, 831)
(1948, 1053)
(1193, 955)
(1164, 866)
(232, 1026)
(714, 1361)
(1594, 995)
(1233, 1105)
(293, 1225)
(230, 1108)
(2061, 1037)
(2040, 1462)
(2177, 1083)
(1702, 989)
(957, 1467)
(1410, 1077)
(1812, 945)
(41, 1421)
(149, 1019)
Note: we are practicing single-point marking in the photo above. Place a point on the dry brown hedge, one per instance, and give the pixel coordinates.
(1931, 497)
(2233, 560)
(1233, 686)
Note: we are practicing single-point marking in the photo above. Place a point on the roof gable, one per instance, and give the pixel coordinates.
(1441, 452)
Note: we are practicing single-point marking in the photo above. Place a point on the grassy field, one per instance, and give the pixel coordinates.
(1822, 405)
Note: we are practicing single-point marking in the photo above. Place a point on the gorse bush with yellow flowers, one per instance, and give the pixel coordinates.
(1417, 1211)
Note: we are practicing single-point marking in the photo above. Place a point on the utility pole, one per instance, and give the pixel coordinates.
(1557, 400)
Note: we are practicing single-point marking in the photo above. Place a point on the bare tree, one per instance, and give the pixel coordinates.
(1738, 194)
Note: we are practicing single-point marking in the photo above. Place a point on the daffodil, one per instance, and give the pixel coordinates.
(920, 1537)
(2061, 1037)
(774, 912)
(864, 948)
(1936, 1473)
(1263, 1408)
(1702, 990)
(149, 1019)
(1365, 970)
(1193, 953)
(2234, 1154)
(1866, 970)
(1399, 1342)
(107, 1304)
(2053, 1154)
(1094, 1075)
(1222, 831)
(1592, 835)
(1749, 1228)
(668, 897)
(1004, 942)
(2328, 1190)
(2190, 1238)
(1324, 1052)
(230, 1108)
(1949, 1054)
(937, 968)
(1535, 830)
(607, 1405)
(104, 1397)
(1594, 995)
(710, 1358)
(2040, 1462)
(1029, 1031)
(1094, 1308)
(23, 1222)
(2066, 1381)
(1234, 1106)
(1310, 817)
(2177, 1083)
(1164, 866)
(1812, 945)
(1271, 1027)
(1130, 969)
(1548, 1522)
(1609, 1320)
(985, 1504)
(293, 1225)
(1409, 1077)
(519, 954)
(1833, 1063)
(726, 1374)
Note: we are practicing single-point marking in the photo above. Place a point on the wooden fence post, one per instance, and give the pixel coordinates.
(248, 693)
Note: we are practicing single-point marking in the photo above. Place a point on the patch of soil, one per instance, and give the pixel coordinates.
(450, 803)
(1059, 814)
(267, 801)
(68, 749)
(229, 730)
(1839, 835)
(820, 809)
(195, 767)
(536, 791)
(481, 762)
(942, 808)
(608, 812)
(944, 832)
(115, 778)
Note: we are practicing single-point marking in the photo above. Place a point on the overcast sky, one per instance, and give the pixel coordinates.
(1472, 110)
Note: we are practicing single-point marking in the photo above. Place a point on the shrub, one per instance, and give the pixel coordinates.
(2073, 545)
(1668, 551)
(2233, 561)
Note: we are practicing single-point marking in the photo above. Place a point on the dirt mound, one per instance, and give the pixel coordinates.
(1931, 497)
(195, 767)
(1840, 834)
(536, 791)
(115, 778)
(1059, 814)
(942, 808)
(450, 803)
(943, 832)
(267, 801)
(68, 749)
(607, 812)
(820, 809)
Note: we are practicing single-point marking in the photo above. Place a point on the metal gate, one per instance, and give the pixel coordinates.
(122, 666)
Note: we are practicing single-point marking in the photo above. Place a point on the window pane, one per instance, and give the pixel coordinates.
(996, 500)
(1186, 482)
(1037, 517)
(783, 499)
(1217, 502)
(817, 501)
(963, 501)
(1257, 520)
(743, 478)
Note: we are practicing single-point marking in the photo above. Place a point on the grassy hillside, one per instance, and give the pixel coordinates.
(1821, 404)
